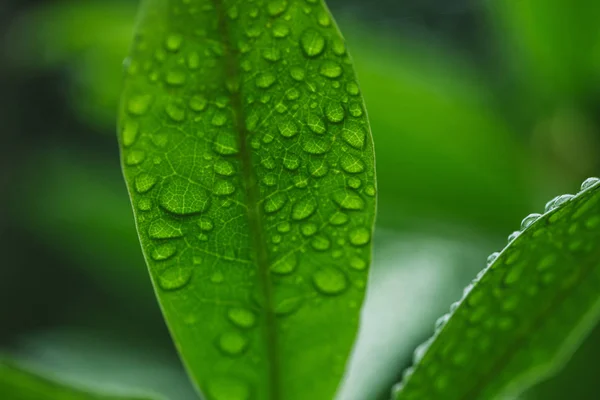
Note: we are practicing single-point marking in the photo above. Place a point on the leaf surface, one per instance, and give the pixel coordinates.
(524, 315)
(17, 383)
(249, 162)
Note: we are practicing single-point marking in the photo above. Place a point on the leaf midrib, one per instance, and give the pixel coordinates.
(254, 213)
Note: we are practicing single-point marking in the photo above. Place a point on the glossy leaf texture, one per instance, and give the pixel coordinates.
(249, 161)
(525, 313)
(17, 383)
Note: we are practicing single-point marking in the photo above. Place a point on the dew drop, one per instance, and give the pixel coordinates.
(528, 220)
(360, 236)
(135, 157)
(358, 264)
(175, 112)
(276, 7)
(219, 119)
(226, 144)
(304, 208)
(138, 104)
(352, 164)
(193, 60)
(354, 135)
(205, 224)
(164, 252)
(589, 182)
(181, 196)
(224, 168)
(288, 128)
(318, 167)
(265, 80)
(492, 257)
(339, 218)
(441, 322)
(223, 187)
(349, 201)
(316, 146)
(316, 123)
(308, 229)
(275, 202)
(163, 229)
(330, 280)
(285, 265)
(513, 236)
(354, 182)
(241, 317)
(176, 77)
(355, 109)
(272, 54)
(557, 202)
(312, 42)
(280, 30)
(144, 204)
(144, 182)
(130, 132)
(297, 73)
(334, 112)
(233, 343)
(174, 278)
(352, 89)
(330, 69)
(320, 243)
(173, 42)
(198, 103)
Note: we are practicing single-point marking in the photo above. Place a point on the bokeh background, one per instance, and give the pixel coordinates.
(481, 112)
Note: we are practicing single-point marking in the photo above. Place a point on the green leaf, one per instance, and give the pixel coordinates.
(524, 315)
(17, 383)
(249, 162)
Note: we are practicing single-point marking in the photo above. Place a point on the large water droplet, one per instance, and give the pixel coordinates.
(181, 196)
(285, 265)
(233, 343)
(360, 236)
(174, 278)
(334, 112)
(330, 69)
(528, 220)
(351, 163)
(164, 252)
(557, 202)
(274, 202)
(163, 229)
(312, 42)
(349, 201)
(354, 134)
(304, 208)
(589, 182)
(241, 317)
(330, 280)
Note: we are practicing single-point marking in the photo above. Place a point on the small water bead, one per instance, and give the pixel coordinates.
(323, 18)
(513, 236)
(320, 243)
(144, 182)
(265, 80)
(352, 89)
(164, 252)
(330, 69)
(339, 218)
(284, 227)
(351, 163)
(354, 134)
(349, 201)
(316, 123)
(241, 317)
(358, 264)
(354, 183)
(330, 281)
(370, 191)
(135, 157)
(360, 236)
(223, 187)
(297, 73)
(291, 162)
(193, 60)
(228, 389)
(421, 350)
(226, 144)
(138, 105)
(312, 42)
(130, 132)
(334, 112)
(589, 182)
(183, 197)
(175, 112)
(557, 202)
(316, 146)
(318, 167)
(300, 181)
(308, 229)
(272, 54)
(285, 265)
(268, 162)
(441, 322)
(492, 257)
(219, 119)
(232, 343)
(276, 7)
(175, 278)
(173, 42)
(528, 220)
(304, 208)
(176, 77)
(224, 168)
(280, 30)
(287, 301)
(270, 179)
(274, 202)
(288, 128)
(198, 103)
(338, 46)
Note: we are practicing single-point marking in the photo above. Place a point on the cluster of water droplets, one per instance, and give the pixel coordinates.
(527, 222)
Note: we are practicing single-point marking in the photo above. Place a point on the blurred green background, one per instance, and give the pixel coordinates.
(481, 111)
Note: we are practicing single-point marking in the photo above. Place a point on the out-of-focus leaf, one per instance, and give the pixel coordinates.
(551, 46)
(249, 161)
(524, 315)
(16, 383)
(440, 141)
